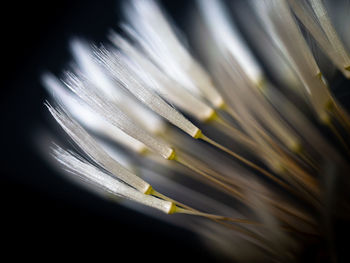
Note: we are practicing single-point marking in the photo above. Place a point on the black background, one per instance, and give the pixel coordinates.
(42, 215)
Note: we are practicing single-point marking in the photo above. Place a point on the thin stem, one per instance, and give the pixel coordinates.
(234, 133)
(245, 161)
(206, 169)
(235, 193)
(308, 160)
(231, 190)
(184, 209)
(231, 112)
(215, 217)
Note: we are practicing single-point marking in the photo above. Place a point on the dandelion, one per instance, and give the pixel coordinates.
(212, 137)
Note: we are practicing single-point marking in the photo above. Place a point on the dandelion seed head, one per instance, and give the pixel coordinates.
(220, 131)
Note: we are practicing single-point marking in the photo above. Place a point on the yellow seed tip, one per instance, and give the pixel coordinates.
(143, 151)
(296, 147)
(172, 155)
(197, 134)
(149, 190)
(262, 84)
(325, 118)
(220, 104)
(172, 209)
(319, 75)
(213, 116)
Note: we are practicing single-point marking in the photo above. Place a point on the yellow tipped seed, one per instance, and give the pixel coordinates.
(220, 104)
(262, 84)
(319, 75)
(172, 155)
(143, 151)
(211, 117)
(197, 134)
(325, 118)
(296, 147)
(149, 190)
(172, 209)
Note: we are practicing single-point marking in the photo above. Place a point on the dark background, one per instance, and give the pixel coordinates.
(42, 215)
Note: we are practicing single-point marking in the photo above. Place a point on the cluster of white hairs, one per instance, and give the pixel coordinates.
(203, 132)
